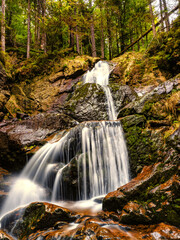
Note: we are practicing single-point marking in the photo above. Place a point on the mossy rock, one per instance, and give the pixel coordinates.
(88, 102)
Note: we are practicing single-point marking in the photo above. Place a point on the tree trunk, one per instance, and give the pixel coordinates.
(102, 35)
(93, 41)
(29, 30)
(77, 41)
(38, 23)
(166, 15)
(71, 37)
(43, 45)
(148, 31)
(3, 28)
(161, 12)
(109, 38)
(152, 18)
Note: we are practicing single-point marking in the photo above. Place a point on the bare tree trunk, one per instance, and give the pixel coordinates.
(166, 15)
(43, 22)
(3, 28)
(71, 37)
(38, 23)
(102, 35)
(93, 41)
(81, 48)
(29, 30)
(152, 18)
(109, 38)
(161, 12)
(77, 41)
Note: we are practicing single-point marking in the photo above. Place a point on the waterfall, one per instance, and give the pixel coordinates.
(100, 75)
(91, 159)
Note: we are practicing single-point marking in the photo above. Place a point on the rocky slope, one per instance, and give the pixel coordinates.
(37, 108)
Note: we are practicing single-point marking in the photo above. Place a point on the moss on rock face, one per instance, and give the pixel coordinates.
(88, 102)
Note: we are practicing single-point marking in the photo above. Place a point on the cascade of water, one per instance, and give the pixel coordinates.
(100, 75)
(96, 151)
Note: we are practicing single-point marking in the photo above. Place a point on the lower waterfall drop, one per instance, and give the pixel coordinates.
(89, 160)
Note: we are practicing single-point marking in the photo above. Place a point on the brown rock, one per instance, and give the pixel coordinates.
(150, 175)
(134, 213)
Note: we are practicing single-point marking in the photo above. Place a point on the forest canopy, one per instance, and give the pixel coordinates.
(102, 28)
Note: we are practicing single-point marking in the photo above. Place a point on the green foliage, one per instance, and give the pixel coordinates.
(165, 50)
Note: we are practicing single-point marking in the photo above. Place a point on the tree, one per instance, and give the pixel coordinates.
(43, 41)
(3, 28)
(93, 41)
(29, 30)
(161, 12)
(152, 18)
(166, 15)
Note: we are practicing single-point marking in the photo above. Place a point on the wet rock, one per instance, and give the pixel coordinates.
(88, 102)
(35, 217)
(144, 103)
(122, 95)
(16, 137)
(132, 120)
(4, 184)
(134, 213)
(174, 139)
(137, 187)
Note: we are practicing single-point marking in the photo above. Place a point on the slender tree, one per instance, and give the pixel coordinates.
(161, 12)
(166, 15)
(102, 32)
(3, 28)
(93, 41)
(29, 30)
(152, 18)
(43, 41)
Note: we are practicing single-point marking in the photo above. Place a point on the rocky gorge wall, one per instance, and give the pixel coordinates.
(34, 111)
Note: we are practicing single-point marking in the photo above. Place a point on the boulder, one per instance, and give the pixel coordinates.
(143, 105)
(88, 102)
(134, 213)
(35, 217)
(138, 187)
(19, 136)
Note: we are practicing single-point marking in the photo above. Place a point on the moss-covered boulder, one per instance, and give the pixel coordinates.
(88, 102)
(35, 217)
(154, 193)
(144, 103)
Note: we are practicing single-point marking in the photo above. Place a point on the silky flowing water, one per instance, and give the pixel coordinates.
(96, 149)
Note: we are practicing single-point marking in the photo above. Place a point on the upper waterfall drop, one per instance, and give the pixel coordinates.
(100, 75)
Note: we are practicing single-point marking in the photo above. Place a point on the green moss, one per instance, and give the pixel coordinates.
(32, 215)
